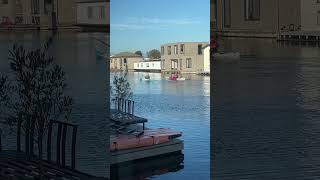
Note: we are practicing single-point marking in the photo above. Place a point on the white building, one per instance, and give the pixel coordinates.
(150, 66)
(206, 59)
(93, 14)
(310, 15)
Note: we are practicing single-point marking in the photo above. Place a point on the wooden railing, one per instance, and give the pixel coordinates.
(62, 129)
(123, 105)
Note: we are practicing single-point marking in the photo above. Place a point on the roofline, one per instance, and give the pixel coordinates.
(204, 42)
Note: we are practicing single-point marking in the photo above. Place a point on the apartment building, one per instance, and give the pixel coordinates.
(124, 61)
(39, 12)
(256, 16)
(186, 57)
(310, 15)
(93, 14)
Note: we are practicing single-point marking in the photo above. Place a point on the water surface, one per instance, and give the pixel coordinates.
(266, 111)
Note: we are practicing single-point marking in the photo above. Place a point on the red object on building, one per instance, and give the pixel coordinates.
(6, 22)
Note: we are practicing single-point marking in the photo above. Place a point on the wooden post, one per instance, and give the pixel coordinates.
(49, 142)
(31, 136)
(73, 149)
(19, 136)
(129, 106)
(64, 134)
(59, 144)
(0, 140)
(122, 105)
(118, 103)
(27, 140)
(125, 105)
(132, 107)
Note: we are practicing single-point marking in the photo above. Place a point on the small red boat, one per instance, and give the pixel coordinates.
(148, 137)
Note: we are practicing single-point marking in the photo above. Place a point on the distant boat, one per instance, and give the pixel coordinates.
(174, 77)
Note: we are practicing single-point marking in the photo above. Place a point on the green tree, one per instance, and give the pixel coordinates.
(37, 95)
(138, 53)
(154, 54)
(121, 87)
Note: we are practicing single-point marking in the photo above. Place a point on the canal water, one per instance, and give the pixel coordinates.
(266, 115)
(182, 106)
(87, 84)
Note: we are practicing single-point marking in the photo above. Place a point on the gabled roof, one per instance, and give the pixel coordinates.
(126, 55)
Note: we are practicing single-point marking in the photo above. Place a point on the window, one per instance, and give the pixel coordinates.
(227, 13)
(318, 17)
(199, 49)
(188, 63)
(169, 50)
(180, 64)
(137, 64)
(125, 60)
(152, 64)
(174, 64)
(181, 48)
(102, 12)
(35, 7)
(252, 10)
(175, 49)
(162, 65)
(162, 50)
(111, 60)
(147, 64)
(90, 12)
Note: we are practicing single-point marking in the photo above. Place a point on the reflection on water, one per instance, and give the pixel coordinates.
(182, 106)
(266, 112)
(143, 169)
(86, 79)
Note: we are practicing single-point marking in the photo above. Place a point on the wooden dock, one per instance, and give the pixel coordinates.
(175, 145)
(15, 165)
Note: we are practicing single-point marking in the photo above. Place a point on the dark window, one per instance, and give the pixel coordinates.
(227, 13)
(125, 60)
(181, 48)
(90, 12)
(162, 50)
(199, 49)
(252, 10)
(169, 50)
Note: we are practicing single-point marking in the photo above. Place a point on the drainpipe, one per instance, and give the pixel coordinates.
(278, 18)
(53, 17)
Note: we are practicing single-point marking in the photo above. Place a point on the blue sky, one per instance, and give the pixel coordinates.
(146, 24)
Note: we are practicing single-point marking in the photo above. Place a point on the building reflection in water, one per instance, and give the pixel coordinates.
(148, 168)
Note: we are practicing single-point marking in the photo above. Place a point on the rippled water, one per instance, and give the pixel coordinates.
(86, 78)
(183, 106)
(266, 116)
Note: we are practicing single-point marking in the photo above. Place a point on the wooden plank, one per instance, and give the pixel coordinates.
(49, 141)
(146, 152)
(73, 147)
(58, 158)
(64, 136)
